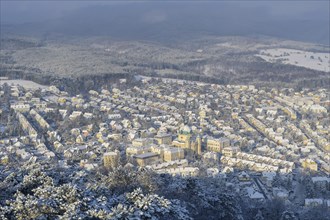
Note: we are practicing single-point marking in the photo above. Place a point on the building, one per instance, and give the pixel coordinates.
(26, 126)
(216, 145)
(21, 107)
(244, 177)
(111, 159)
(163, 138)
(199, 145)
(141, 142)
(114, 116)
(309, 164)
(146, 159)
(318, 109)
(41, 121)
(212, 172)
(173, 153)
(213, 145)
(75, 114)
(314, 202)
(137, 150)
(181, 171)
(4, 160)
(186, 140)
(230, 151)
(321, 182)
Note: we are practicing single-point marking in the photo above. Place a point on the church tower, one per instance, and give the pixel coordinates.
(199, 145)
(185, 136)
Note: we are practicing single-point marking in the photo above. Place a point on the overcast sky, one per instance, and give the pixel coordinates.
(293, 19)
(31, 11)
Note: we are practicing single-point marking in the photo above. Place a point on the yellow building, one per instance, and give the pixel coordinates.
(185, 136)
(326, 146)
(111, 159)
(230, 151)
(158, 150)
(61, 100)
(4, 160)
(183, 140)
(163, 138)
(213, 145)
(202, 114)
(80, 139)
(179, 144)
(309, 164)
(216, 145)
(140, 142)
(234, 115)
(99, 135)
(137, 150)
(199, 145)
(186, 141)
(290, 112)
(172, 153)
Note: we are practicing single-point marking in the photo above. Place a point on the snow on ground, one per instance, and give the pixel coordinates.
(24, 83)
(307, 59)
(182, 81)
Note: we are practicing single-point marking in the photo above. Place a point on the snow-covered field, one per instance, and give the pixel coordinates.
(307, 59)
(24, 83)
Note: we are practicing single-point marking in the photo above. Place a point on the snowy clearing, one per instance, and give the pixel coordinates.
(307, 59)
(24, 83)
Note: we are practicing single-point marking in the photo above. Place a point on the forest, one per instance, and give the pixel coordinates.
(46, 191)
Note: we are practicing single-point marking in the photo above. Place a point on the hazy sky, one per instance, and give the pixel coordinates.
(31, 11)
(288, 19)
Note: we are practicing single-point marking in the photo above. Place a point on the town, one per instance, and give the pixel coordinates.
(262, 141)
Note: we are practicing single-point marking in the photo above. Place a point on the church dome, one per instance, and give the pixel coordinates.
(186, 129)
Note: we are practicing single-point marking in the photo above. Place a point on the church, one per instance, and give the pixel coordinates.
(187, 140)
